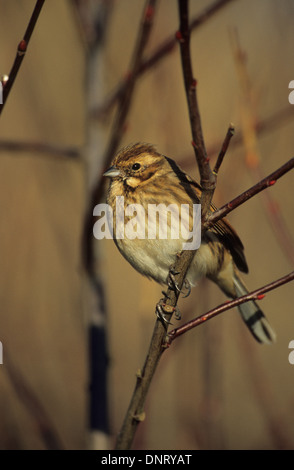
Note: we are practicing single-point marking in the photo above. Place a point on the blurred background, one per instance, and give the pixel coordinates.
(215, 388)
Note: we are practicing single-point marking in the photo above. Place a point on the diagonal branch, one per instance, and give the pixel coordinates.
(224, 148)
(270, 180)
(257, 294)
(207, 178)
(262, 127)
(21, 50)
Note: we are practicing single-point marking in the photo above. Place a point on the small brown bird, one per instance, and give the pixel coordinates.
(146, 178)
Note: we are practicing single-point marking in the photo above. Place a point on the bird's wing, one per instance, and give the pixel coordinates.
(224, 231)
(229, 237)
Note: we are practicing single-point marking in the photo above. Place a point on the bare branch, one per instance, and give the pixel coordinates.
(39, 148)
(21, 50)
(262, 127)
(207, 178)
(229, 135)
(270, 180)
(257, 294)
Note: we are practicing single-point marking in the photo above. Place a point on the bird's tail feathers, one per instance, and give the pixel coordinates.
(253, 317)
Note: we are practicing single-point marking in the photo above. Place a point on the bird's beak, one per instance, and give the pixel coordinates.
(112, 172)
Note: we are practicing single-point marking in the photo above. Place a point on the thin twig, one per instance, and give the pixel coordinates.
(207, 178)
(270, 180)
(229, 135)
(39, 148)
(262, 127)
(21, 50)
(257, 294)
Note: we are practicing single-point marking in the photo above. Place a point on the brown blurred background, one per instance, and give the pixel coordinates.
(215, 388)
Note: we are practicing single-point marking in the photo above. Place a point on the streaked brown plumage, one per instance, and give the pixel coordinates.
(144, 176)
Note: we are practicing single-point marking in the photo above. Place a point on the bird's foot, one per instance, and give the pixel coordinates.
(188, 288)
(164, 311)
(171, 280)
(172, 283)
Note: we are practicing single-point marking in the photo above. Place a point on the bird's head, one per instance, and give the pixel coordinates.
(136, 165)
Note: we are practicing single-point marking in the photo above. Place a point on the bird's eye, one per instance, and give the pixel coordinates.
(136, 166)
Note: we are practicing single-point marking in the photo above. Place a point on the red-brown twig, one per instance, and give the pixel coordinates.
(270, 180)
(257, 294)
(207, 178)
(262, 127)
(21, 50)
(224, 148)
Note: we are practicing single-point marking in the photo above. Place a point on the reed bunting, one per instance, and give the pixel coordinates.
(142, 176)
